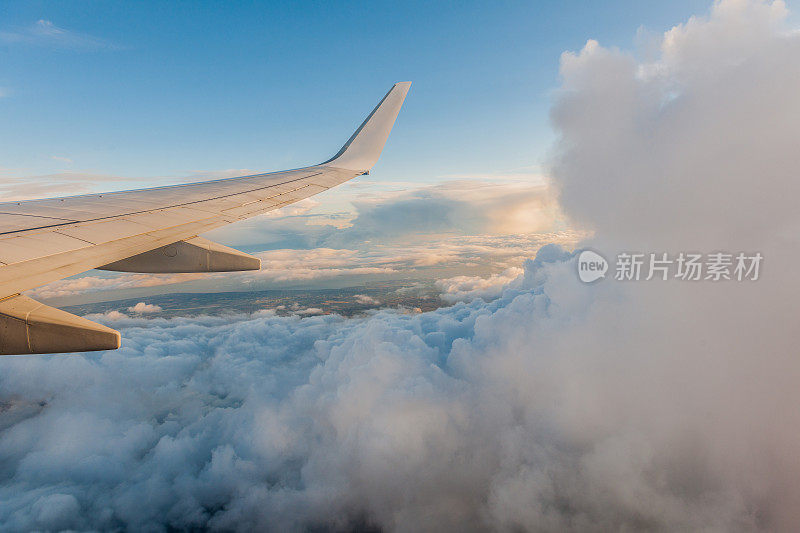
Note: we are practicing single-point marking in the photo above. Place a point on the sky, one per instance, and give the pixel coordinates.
(158, 91)
(534, 402)
(105, 96)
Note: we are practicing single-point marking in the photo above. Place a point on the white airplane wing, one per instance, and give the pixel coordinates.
(149, 230)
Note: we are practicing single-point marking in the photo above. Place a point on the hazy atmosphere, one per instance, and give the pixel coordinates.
(520, 398)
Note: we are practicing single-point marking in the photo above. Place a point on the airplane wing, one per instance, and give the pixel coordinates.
(149, 230)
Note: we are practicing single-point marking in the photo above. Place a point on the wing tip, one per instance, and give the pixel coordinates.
(364, 147)
(403, 86)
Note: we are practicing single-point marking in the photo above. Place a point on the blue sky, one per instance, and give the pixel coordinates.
(166, 89)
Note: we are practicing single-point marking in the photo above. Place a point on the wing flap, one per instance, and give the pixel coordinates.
(193, 255)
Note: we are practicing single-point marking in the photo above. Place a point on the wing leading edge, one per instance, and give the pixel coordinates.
(150, 230)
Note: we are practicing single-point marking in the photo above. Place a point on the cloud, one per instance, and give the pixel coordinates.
(23, 187)
(300, 208)
(467, 288)
(45, 33)
(89, 283)
(204, 175)
(638, 138)
(61, 159)
(556, 406)
(433, 259)
(310, 311)
(457, 207)
(18, 185)
(481, 226)
(366, 300)
(110, 316)
(304, 246)
(144, 308)
(460, 207)
(476, 416)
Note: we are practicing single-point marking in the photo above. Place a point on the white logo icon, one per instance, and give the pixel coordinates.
(591, 266)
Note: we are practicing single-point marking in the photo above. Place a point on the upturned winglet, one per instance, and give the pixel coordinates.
(363, 149)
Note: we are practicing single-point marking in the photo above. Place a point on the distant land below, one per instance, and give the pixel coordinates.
(407, 295)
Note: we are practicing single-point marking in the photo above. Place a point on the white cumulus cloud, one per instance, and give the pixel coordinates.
(466, 288)
(144, 308)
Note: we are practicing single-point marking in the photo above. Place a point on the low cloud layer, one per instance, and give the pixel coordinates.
(556, 406)
(19, 184)
(460, 207)
(16, 187)
(467, 227)
(444, 257)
